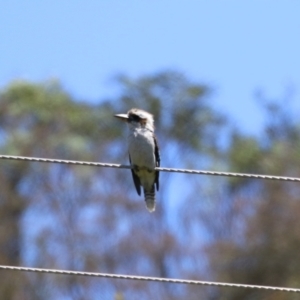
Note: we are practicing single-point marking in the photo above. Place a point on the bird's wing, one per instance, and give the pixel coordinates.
(136, 180)
(157, 158)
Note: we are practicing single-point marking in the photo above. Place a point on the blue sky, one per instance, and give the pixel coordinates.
(235, 46)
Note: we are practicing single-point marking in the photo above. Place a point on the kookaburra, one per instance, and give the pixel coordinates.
(143, 153)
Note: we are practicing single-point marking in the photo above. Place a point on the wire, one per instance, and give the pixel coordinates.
(63, 161)
(144, 278)
(151, 279)
(186, 171)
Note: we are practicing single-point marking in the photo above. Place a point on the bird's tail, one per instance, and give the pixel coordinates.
(150, 199)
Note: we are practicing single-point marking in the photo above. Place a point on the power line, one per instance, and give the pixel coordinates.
(150, 279)
(174, 170)
(144, 278)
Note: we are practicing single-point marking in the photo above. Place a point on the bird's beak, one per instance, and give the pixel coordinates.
(123, 117)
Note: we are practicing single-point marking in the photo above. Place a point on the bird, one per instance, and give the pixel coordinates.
(144, 155)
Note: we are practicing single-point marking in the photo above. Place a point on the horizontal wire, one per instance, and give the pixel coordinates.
(150, 279)
(144, 278)
(185, 171)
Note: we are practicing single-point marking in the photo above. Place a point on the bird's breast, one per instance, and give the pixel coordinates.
(141, 149)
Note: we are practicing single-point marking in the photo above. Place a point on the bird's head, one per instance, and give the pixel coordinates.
(137, 118)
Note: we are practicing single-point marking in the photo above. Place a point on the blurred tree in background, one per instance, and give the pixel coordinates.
(90, 219)
(262, 238)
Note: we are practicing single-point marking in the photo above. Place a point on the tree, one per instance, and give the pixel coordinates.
(260, 244)
(91, 219)
(33, 123)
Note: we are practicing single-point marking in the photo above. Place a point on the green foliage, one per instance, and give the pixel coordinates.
(244, 156)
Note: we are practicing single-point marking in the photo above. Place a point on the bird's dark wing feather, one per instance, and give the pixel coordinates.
(136, 180)
(157, 158)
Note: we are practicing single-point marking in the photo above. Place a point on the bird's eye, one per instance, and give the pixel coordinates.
(135, 118)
